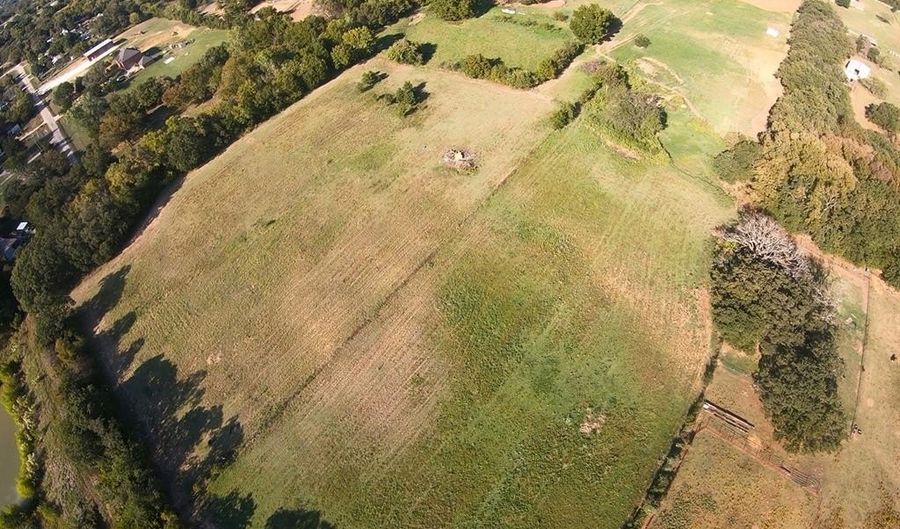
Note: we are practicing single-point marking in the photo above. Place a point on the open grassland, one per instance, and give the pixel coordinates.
(701, 50)
(395, 345)
(721, 486)
(489, 35)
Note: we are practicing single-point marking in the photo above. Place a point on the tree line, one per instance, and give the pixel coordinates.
(814, 168)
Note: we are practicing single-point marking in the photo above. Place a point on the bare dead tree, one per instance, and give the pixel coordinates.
(767, 240)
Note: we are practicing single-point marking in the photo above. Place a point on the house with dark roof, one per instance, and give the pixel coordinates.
(131, 58)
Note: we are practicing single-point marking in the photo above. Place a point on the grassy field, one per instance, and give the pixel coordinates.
(390, 343)
(489, 35)
(702, 49)
(324, 322)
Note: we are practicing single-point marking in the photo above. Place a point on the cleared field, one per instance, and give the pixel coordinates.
(702, 49)
(489, 35)
(719, 485)
(389, 344)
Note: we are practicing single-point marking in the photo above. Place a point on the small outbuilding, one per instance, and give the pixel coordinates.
(99, 50)
(856, 70)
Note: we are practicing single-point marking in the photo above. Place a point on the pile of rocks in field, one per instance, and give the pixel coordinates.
(460, 159)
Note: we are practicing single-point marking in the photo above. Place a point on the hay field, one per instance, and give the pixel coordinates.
(719, 485)
(702, 50)
(389, 344)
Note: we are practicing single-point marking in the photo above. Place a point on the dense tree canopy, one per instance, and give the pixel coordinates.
(454, 9)
(593, 24)
(766, 293)
(817, 170)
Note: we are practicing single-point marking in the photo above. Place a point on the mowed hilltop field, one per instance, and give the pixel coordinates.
(326, 322)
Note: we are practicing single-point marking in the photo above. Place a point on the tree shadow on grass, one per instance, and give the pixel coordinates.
(297, 519)
(190, 441)
(232, 511)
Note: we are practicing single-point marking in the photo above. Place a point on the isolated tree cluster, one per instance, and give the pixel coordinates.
(766, 293)
(593, 24)
(406, 51)
(454, 10)
(627, 115)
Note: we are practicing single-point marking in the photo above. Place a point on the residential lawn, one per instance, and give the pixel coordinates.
(181, 58)
(490, 36)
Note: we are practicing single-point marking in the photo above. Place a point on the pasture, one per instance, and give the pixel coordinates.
(324, 323)
(493, 34)
(386, 342)
(700, 50)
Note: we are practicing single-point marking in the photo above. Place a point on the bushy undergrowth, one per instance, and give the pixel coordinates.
(480, 67)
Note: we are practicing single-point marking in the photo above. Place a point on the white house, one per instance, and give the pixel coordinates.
(856, 70)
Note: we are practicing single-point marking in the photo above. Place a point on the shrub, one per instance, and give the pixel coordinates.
(368, 80)
(874, 55)
(625, 115)
(560, 16)
(564, 114)
(842, 3)
(592, 24)
(406, 52)
(454, 9)
(641, 41)
(885, 115)
(874, 86)
(554, 65)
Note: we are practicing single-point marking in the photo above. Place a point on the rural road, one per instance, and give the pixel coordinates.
(57, 138)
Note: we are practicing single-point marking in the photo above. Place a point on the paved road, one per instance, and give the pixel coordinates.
(58, 137)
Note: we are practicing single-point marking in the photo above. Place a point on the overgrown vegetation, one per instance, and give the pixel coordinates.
(767, 294)
(885, 115)
(628, 116)
(480, 67)
(818, 171)
(454, 10)
(406, 52)
(406, 99)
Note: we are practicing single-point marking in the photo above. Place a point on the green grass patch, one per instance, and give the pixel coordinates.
(182, 58)
(491, 35)
(79, 136)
